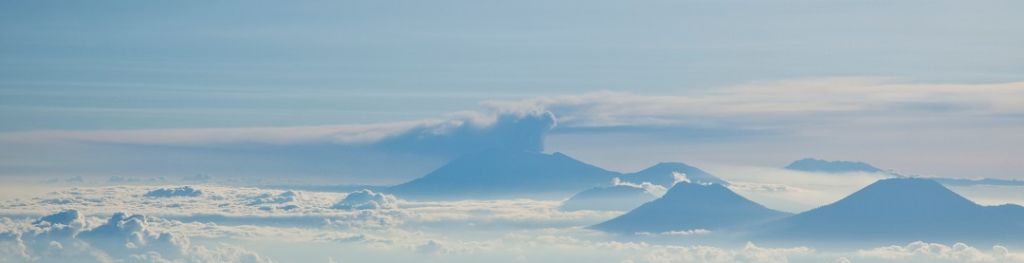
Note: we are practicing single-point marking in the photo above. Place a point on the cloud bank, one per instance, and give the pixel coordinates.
(920, 251)
(366, 199)
(69, 236)
(825, 118)
(184, 191)
(367, 153)
(230, 224)
(780, 102)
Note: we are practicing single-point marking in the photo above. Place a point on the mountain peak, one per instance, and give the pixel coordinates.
(819, 165)
(917, 192)
(690, 206)
(668, 167)
(902, 209)
(616, 197)
(662, 174)
(504, 173)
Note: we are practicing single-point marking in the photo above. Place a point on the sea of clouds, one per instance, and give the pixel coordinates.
(206, 223)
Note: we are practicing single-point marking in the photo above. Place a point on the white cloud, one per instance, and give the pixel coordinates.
(455, 125)
(749, 253)
(654, 189)
(811, 99)
(183, 191)
(248, 205)
(212, 226)
(69, 236)
(647, 252)
(281, 198)
(351, 151)
(691, 232)
(920, 251)
(366, 199)
(678, 177)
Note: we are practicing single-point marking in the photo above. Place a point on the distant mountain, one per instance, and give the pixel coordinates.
(901, 210)
(982, 181)
(818, 165)
(609, 198)
(689, 206)
(506, 174)
(661, 174)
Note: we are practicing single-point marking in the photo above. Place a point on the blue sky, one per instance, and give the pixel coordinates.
(129, 65)
(884, 69)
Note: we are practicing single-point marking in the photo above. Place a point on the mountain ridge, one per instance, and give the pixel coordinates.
(689, 206)
(900, 210)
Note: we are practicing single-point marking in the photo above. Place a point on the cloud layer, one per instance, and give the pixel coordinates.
(370, 153)
(240, 224)
(824, 118)
(70, 236)
(760, 104)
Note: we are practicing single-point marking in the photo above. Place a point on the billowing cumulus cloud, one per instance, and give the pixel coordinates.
(70, 236)
(183, 191)
(366, 199)
(281, 198)
(299, 208)
(224, 222)
(920, 251)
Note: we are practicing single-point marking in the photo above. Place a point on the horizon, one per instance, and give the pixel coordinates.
(468, 131)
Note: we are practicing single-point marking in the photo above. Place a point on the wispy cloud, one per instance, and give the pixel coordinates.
(358, 152)
(761, 104)
(839, 112)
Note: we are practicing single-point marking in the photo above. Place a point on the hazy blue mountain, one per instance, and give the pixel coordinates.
(614, 198)
(506, 174)
(688, 206)
(902, 210)
(661, 174)
(818, 165)
(983, 181)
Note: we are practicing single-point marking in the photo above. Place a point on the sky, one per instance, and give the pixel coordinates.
(129, 65)
(265, 131)
(823, 74)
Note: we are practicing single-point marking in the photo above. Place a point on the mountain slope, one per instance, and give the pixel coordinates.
(818, 165)
(689, 206)
(506, 174)
(613, 198)
(903, 209)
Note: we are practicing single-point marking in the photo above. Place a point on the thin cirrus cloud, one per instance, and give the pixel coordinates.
(375, 152)
(761, 103)
(857, 110)
(969, 128)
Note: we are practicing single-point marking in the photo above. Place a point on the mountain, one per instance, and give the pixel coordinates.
(661, 174)
(608, 198)
(982, 181)
(818, 165)
(902, 210)
(690, 206)
(506, 174)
